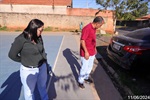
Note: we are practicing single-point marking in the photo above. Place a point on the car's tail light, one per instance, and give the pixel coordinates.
(134, 49)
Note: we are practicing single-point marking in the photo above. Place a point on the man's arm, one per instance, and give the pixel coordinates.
(85, 49)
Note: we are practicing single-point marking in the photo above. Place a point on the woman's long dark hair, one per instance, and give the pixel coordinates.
(30, 32)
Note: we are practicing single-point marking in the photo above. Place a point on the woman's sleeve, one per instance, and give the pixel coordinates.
(15, 49)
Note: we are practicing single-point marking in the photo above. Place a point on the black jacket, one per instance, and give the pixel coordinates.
(24, 51)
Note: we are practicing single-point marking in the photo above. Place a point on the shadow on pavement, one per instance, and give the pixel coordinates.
(72, 60)
(62, 82)
(12, 87)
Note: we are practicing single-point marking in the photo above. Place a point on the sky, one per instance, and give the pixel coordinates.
(88, 4)
(85, 4)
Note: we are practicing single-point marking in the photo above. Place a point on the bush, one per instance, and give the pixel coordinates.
(4, 28)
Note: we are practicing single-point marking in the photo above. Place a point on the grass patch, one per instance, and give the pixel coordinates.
(4, 28)
(56, 28)
(48, 28)
(127, 28)
(18, 30)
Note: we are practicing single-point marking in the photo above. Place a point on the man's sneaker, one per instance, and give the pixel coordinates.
(81, 86)
(89, 80)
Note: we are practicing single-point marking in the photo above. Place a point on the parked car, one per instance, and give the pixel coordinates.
(131, 50)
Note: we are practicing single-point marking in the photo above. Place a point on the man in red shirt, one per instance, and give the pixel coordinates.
(88, 49)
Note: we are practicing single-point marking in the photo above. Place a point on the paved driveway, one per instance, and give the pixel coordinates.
(63, 56)
(11, 87)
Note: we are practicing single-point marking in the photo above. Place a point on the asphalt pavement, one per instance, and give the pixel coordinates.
(63, 56)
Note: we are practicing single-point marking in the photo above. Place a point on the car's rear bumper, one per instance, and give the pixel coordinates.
(121, 61)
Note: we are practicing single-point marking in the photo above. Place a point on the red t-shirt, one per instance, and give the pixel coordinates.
(89, 36)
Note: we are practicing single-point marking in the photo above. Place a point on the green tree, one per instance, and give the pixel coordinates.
(125, 9)
(137, 8)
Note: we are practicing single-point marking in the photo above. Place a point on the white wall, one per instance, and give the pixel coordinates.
(43, 9)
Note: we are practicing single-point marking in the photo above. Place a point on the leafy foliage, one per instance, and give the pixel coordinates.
(126, 9)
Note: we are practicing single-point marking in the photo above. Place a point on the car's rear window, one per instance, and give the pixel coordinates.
(142, 34)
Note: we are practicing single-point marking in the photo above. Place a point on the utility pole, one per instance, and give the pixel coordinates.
(11, 6)
(53, 5)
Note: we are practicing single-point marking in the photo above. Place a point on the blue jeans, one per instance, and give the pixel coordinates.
(86, 68)
(32, 76)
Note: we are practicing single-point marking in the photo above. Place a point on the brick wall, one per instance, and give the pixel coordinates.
(88, 12)
(60, 21)
(38, 2)
(60, 16)
(50, 20)
(34, 9)
(107, 15)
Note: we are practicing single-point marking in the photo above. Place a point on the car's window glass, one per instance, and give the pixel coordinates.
(140, 34)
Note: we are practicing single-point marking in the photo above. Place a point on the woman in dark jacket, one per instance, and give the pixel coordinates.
(28, 49)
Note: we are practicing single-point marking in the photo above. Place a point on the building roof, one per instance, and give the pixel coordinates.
(39, 2)
(144, 17)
